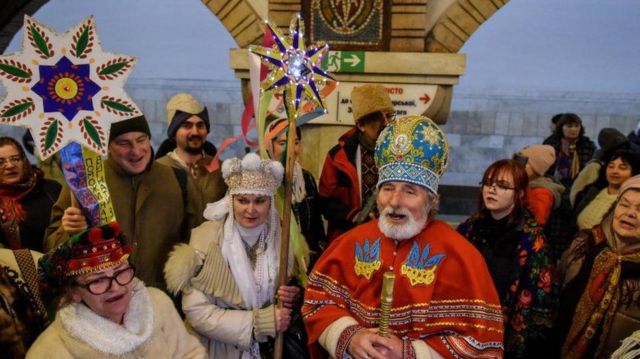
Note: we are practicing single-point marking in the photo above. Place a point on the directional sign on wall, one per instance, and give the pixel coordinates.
(344, 61)
(408, 99)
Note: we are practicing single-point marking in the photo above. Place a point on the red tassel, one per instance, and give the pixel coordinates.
(116, 227)
(95, 235)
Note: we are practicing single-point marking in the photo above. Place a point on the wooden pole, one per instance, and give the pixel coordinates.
(286, 221)
(74, 201)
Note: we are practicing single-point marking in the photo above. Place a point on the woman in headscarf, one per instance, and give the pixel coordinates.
(573, 148)
(600, 275)
(228, 272)
(26, 199)
(105, 311)
(514, 247)
(305, 190)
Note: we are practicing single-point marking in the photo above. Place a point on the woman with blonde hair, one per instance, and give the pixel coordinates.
(228, 272)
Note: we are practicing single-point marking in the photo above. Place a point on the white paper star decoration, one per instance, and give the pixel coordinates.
(64, 87)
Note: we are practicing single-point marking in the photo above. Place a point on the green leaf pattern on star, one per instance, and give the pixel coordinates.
(92, 132)
(51, 135)
(39, 41)
(115, 105)
(114, 68)
(15, 71)
(82, 42)
(17, 108)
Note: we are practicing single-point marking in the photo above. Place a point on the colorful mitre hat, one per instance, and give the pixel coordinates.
(252, 175)
(90, 251)
(412, 149)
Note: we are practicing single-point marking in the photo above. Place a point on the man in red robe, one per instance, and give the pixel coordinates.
(445, 303)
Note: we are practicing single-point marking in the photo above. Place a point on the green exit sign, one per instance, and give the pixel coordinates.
(344, 61)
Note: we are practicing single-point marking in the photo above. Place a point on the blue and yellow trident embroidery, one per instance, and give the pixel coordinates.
(420, 268)
(367, 258)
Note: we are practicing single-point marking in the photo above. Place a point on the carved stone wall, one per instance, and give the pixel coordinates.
(458, 22)
(415, 25)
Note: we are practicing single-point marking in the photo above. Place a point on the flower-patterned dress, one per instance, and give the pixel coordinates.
(523, 274)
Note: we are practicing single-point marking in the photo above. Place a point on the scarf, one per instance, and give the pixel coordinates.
(193, 168)
(600, 300)
(102, 334)
(368, 170)
(568, 163)
(254, 294)
(256, 284)
(12, 212)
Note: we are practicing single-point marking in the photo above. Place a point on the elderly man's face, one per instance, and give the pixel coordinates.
(404, 209)
(626, 216)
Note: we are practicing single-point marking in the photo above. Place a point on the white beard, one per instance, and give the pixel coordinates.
(404, 231)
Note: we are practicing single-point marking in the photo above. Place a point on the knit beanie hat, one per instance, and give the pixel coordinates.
(611, 139)
(540, 157)
(180, 108)
(136, 124)
(368, 99)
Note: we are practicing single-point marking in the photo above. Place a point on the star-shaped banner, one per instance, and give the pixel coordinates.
(64, 87)
(293, 66)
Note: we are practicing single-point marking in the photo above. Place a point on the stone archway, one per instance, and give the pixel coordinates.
(417, 26)
(12, 16)
(458, 22)
(435, 26)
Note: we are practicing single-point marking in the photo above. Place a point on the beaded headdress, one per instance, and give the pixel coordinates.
(90, 251)
(412, 149)
(252, 175)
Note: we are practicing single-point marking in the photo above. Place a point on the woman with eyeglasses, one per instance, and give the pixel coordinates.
(26, 198)
(104, 311)
(514, 248)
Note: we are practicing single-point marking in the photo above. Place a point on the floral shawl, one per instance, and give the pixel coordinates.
(530, 303)
(11, 211)
(600, 300)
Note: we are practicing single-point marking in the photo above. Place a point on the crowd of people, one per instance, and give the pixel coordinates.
(547, 267)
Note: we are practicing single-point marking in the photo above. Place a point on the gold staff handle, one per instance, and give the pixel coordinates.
(386, 299)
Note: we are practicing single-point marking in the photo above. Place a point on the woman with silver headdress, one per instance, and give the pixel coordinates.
(228, 272)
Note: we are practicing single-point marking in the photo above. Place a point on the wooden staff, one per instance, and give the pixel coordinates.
(286, 220)
(74, 201)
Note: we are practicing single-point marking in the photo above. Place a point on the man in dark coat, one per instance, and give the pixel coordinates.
(349, 174)
(153, 203)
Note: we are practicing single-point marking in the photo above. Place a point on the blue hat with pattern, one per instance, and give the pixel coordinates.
(412, 149)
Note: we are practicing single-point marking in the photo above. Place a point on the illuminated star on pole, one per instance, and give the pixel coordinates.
(294, 67)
